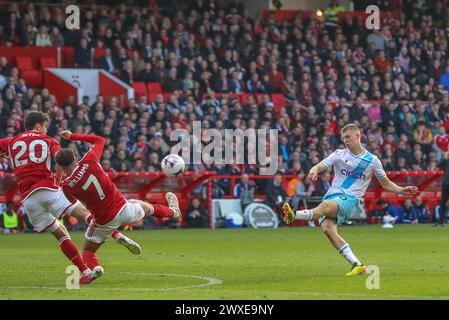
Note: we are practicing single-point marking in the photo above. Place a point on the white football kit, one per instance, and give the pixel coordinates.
(352, 176)
(353, 173)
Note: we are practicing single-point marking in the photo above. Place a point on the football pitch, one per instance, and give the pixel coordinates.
(285, 263)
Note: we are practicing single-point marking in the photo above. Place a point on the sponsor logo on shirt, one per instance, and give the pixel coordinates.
(353, 174)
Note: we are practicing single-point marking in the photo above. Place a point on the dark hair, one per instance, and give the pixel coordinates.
(33, 118)
(65, 157)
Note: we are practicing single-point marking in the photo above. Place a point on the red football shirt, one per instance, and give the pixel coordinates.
(30, 153)
(442, 142)
(91, 185)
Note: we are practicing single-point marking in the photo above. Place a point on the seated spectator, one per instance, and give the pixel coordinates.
(9, 220)
(421, 210)
(42, 38)
(147, 74)
(172, 83)
(407, 213)
(276, 194)
(108, 62)
(83, 55)
(244, 191)
(322, 184)
(444, 79)
(385, 209)
(196, 216)
(128, 74)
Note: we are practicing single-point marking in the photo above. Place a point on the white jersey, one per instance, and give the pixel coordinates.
(353, 173)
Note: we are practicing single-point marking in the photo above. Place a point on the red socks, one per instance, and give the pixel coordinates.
(71, 252)
(91, 259)
(161, 211)
(89, 219)
(116, 234)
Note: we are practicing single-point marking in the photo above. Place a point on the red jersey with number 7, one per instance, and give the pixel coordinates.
(30, 154)
(91, 185)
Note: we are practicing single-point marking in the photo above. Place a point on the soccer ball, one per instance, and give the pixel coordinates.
(173, 165)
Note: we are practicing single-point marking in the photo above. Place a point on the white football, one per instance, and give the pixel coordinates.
(173, 165)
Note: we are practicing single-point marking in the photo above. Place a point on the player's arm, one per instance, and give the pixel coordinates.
(324, 165)
(97, 142)
(4, 151)
(316, 170)
(389, 185)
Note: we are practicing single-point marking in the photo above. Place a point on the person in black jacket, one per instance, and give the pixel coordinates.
(444, 188)
(108, 62)
(276, 194)
(83, 55)
(196, 216)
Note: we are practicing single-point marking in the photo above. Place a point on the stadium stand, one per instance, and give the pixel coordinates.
(281, 70)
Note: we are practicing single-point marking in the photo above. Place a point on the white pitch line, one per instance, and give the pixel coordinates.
(210, 282)
(215, 281)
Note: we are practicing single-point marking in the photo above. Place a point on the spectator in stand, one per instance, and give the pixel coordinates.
(322, 184)
(83, 55)
(386, 208)
(108, 62)
(441, 141)
(244, 191)
(196, 216)
(422, 211)
(444, 79)
(172, 83)
(276, 194)
(128, 74)
(147, 74)
(9, 220)
(407, 213)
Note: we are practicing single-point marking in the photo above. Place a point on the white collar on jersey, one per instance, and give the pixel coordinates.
(359, 155)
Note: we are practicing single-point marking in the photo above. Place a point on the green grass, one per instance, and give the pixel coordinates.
(287, 263)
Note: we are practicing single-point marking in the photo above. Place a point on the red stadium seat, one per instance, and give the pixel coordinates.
(32, 78)
(68, 53)
(244, 97)
(259, 98)
(152, 96)
(279, 101)
(140, 89)
(167, 95)
(154, 87)
(24, 63)
(48, 62)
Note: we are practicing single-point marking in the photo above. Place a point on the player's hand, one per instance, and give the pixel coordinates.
(410, 190)
(313, 175)
(66, 134)
(2, 155)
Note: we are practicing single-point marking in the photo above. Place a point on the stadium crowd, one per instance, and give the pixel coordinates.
(392, 82)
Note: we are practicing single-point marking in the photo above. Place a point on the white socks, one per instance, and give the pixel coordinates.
(346, 252)
(305, 215)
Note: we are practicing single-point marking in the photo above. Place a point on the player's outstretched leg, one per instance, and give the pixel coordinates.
(128, 243)
(81, 213)
(71, 252)
(330, 230)
(94, 264)
(160, 211)
(328, 209)
(173, 203)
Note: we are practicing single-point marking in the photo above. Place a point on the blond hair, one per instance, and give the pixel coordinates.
(350, 127)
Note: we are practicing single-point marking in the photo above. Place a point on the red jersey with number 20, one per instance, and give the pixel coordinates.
(30, 153)
(90, 184)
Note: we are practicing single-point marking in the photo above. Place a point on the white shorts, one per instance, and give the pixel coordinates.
(45, 207)
(131, 212)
